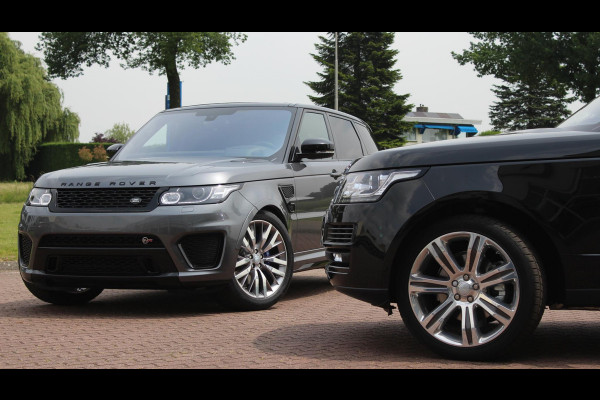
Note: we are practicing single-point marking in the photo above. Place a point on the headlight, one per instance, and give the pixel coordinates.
(370, 185)
(39, 197)
(197, 195)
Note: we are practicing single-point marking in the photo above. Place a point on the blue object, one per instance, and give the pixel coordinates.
(168, 96)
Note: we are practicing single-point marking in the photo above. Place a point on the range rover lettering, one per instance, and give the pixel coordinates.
(473, 238)
(228, 196)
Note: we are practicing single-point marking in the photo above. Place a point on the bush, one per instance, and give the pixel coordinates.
(54, 156)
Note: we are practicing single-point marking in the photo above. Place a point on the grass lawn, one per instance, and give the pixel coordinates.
(12, 197)
(9, 222)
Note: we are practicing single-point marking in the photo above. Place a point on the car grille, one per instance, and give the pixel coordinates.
(105, 199)
(103, 265)
(202, 251)
(342, 234)
(25, 248)
(102, 241)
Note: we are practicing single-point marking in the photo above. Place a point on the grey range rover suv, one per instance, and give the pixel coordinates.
(230, 196)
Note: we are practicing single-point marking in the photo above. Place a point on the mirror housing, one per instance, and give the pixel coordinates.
(315, 149)
(113, 149)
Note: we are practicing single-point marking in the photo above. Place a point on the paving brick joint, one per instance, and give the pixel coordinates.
(312, 327)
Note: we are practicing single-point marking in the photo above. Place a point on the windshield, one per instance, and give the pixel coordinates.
(586, 119)
(238, 132)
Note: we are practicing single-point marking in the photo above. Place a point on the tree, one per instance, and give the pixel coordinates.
(30, 108)
(65, 129)
(366, 80)
(162, 52)
(120, 133)
(523, 106)
(571, 59)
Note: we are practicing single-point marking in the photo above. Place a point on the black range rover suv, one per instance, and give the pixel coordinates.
(225, 195)
(473, 238)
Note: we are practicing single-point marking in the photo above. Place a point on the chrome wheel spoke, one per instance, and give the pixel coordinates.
(444, 258)
(426, 284)
(500, 312)
(503, 274)
(473, 257)
(434, 321)
(470, 333)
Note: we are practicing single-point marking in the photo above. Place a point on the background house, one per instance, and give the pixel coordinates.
(432, 126)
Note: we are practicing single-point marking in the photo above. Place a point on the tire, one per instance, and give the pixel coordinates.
(76, 296)
(264, 265)
(498, 293)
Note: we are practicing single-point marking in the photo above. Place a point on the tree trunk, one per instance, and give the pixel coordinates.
(174, 91)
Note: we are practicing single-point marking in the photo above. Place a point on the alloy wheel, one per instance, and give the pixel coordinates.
(463, 289)
(262, 260)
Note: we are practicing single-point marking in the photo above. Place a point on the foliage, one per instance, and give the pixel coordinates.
(100, 138)
(366, 80)
(120, 133)
(163, 52)
(489, 133)
(30, 108)
(523, 106)
(54, 156)
(66, 128)
(571, 59)
(85, 154)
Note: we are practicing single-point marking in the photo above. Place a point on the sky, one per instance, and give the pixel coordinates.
(272, 67)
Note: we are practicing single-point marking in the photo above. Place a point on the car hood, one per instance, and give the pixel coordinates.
(140, 174)
(535, 144)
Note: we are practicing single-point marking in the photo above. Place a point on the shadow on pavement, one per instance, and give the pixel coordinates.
(556, 345)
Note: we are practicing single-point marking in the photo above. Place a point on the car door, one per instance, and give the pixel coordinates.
(315, 182)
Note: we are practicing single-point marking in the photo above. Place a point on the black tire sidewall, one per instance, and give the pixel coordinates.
(530, 307)
(235, 296)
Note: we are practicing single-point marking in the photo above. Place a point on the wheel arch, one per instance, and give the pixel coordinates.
(495, 206)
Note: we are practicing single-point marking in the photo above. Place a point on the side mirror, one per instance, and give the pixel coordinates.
(114, 149)
(315, 149)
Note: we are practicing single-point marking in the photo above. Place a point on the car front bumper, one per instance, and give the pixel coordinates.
(168, 247)
(361, 240)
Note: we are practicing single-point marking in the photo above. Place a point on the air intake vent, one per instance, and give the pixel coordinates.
(202, 251)
(339, 234)
(102, 241)
(287, 191)
(105, 199)
(24, 248)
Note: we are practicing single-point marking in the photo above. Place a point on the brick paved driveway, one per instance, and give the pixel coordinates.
(313, 327)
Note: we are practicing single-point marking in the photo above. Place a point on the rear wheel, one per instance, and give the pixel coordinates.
(75, 296)
(471, 288)
(264, 265)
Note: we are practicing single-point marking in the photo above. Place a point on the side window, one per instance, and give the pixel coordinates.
(312, 127)
(347, 144)
(367, 139)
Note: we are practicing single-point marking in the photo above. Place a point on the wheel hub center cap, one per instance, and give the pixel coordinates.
(465, 288)
(257, 257)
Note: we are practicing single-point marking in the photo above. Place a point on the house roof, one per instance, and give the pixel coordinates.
(439, 118)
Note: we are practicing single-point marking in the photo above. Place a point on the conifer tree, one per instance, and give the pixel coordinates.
(529, 106)
(366, 82)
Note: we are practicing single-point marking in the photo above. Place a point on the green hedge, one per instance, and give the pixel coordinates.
(54, 156)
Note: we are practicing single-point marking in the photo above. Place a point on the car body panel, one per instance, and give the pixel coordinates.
(547, 181)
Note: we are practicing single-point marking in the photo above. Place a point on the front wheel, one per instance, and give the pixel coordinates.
(263, 270)
(471, 288)
(75, 296)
